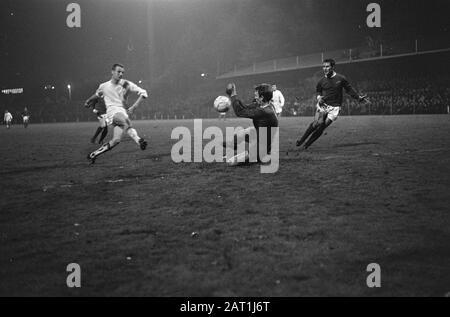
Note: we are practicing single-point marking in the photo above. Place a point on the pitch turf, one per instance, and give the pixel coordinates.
(373, 190)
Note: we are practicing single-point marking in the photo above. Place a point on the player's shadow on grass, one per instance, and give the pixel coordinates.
(355, 144)
(141, 156)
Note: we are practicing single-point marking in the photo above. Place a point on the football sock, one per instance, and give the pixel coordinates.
(99, 129)
(133, 134)
(317, 133)
(307, 133)
(234, 144)
(104, 148)
(104, 133)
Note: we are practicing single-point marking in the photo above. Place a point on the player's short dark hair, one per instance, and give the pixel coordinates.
(115, 65)
(265, 91)
(331, 61)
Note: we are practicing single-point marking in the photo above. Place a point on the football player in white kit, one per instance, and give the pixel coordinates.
(114, 93)
(277, 100)
(8, 119)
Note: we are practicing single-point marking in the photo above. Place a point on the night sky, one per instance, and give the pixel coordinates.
(157, 38)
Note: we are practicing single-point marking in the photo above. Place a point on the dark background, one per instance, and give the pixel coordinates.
(175, 40)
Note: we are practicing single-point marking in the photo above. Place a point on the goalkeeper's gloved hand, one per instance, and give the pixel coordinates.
(231, 90)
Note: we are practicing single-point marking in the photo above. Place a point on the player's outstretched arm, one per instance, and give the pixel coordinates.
(242, 110)
(91, 101)
(136, 104)
(232, 93)
(351, 91)
(136, 89)
(142, 93)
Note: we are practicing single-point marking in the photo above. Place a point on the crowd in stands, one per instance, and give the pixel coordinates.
(395, 96)
(392, 87)
(419, 95)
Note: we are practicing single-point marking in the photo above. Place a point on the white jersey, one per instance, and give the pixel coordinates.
(278, 101)
(115, 95)
(8, 117)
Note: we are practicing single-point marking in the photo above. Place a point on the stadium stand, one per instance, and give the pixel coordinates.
(416, 84)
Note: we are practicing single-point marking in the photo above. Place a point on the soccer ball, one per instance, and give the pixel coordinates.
(222, 104)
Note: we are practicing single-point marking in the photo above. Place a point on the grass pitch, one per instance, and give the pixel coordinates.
(372, 190)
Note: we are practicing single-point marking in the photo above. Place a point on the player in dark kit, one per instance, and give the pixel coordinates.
(329, 100)
(26, 117)
(99, 108)
(260, 110)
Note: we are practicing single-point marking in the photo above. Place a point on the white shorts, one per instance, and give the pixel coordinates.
(112, 111)
(26, 118)
(332, 112)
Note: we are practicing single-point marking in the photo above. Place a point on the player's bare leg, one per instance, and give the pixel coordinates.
(238, 138)
(240, 158)
(247, 141)
(126, 124)
(253, 148)
(117, 137)
(120, 124)
(136, 138)
(240, 141)
(139, 141)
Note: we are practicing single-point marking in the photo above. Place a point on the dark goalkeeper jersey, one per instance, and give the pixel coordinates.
(99, 105)
(331, 90)
(262, 117)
